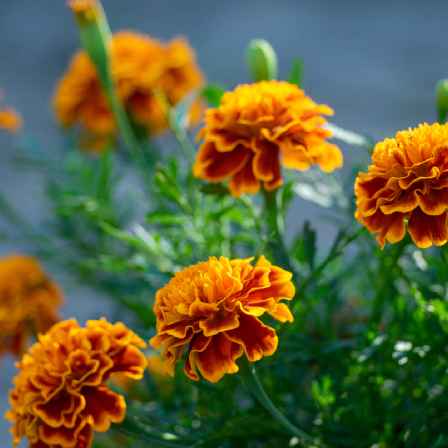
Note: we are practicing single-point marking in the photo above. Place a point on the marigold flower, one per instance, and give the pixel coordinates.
(406, 187)
(256, 128)
(29, 302)
(148, 75)
(10, 120)
(60, 395)
(211, 311)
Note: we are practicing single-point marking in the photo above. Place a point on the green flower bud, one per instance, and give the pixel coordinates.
(262, 60)
(442, 100)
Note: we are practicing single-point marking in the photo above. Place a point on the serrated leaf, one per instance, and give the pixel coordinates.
(215, 189)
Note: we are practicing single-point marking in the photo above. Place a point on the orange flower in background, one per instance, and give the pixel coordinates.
(10, 120)
(148, 75)
(212, 312)
(259, 127)
(29, 302)
(60, 396)
(406, 186)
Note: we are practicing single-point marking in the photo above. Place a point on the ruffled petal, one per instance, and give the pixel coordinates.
(257, 339)
(426, 230)
(103, 407)
(218, 358)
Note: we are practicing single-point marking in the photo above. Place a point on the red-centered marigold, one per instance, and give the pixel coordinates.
(29, 302)
(406, 186)
(60, 396)
(258, 127)
(211, 311)
(148, 74)
(10, 120)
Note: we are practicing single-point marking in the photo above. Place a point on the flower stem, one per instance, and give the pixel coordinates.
(275, 229)
(96, 40)
(252, 382)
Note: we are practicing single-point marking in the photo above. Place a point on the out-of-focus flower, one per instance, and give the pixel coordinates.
(149, 76)
(259, 127)
(29, 302)
(60, 396)
(10, 120)
(212, 312)
(407, 186)
(157, 367)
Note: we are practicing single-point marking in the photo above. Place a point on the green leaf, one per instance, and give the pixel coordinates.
(296, 73)
(305, 247)
(166, 218)
(213, 93)
(103, 188)
(215, 189)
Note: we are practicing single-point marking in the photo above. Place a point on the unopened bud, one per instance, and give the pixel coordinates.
(262, 60)
(442, 99)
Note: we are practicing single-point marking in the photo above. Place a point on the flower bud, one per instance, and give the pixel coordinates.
(262, 60)
(442, 99)
(85, 10)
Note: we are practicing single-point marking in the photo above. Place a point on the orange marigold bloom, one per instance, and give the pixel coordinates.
(143, 69)
(256, 128)
(10, 120)
(407, 186)
(211, 311)
(60, 395)
(29, 302)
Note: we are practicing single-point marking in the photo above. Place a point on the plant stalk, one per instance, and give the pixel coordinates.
(275, 229)
(252, 382)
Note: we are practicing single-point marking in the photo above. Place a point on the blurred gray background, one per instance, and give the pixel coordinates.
(374, 62)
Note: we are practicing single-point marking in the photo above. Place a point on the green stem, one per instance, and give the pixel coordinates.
(252, 382)
(275, 229)
(131, 427)
(187, 147)
(96, 37)
(337, 249)
(386, 275)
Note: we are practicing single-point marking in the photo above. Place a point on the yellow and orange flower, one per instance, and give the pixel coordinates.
(406, 187)
(10, 120)
(212, 312)
(148, 74)
(259, 127)
(60, 396)
(29, 302)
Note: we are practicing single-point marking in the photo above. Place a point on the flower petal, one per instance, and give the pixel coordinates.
(103, 407)
(427, 230)
(257, 339)
(218, 358)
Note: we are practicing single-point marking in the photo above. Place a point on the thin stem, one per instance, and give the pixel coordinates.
(275, 229)
(96, 39)
(340, 244)
(252, 382)
(182, 137)
(131, 427)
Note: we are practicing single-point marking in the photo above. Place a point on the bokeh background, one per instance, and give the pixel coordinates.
(374, 62)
